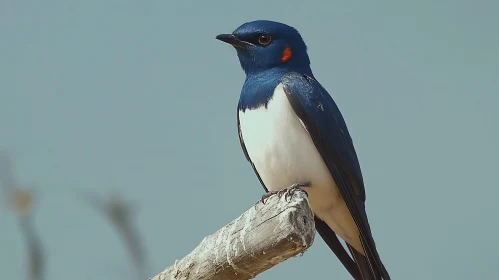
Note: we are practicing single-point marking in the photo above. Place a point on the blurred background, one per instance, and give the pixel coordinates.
(119, 149)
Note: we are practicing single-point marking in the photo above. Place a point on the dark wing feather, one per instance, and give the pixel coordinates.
(327, 128)
(326, 233)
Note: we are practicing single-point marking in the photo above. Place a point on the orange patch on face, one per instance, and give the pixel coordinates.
(286, 55)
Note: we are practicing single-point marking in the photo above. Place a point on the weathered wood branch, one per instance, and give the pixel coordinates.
(262, 237)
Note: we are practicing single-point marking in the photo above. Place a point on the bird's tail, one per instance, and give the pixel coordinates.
(369, 268)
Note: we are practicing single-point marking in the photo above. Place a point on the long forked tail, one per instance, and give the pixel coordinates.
(334, 244)
(359, 267)
(370, 267)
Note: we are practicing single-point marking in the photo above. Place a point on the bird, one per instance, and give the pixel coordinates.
(293, 134)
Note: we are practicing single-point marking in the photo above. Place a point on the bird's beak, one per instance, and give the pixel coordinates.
(233, 40)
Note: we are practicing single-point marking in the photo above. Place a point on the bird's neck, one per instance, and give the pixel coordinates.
(259, 86)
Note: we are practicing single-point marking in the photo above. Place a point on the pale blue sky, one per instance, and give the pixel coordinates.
(139, 97)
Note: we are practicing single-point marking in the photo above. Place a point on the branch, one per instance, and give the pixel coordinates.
(22, 204)
(120, 213)
(262, 237)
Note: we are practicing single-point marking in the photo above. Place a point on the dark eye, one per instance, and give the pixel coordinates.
(264, 39)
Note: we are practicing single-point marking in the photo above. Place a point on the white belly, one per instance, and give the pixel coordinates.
(283, 154)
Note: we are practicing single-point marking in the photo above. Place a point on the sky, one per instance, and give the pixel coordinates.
(138, 98)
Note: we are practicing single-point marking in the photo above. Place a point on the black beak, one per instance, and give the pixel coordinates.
(233, 40)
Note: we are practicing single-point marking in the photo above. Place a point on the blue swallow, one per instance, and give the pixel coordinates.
(293, 134)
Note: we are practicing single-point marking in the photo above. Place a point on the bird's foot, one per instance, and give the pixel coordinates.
(269, 194)
(287, 192)
(293, 188)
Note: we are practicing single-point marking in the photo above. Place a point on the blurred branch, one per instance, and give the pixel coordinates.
(21, 203)
(7, 180)
(262, 237)
(119, 214)
(36, 258)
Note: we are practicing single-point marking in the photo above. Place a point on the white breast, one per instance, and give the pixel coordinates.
(283, 154)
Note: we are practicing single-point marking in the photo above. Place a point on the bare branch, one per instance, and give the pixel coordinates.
(36, 256)
(21, 203)
(7, 180)
(262, 237)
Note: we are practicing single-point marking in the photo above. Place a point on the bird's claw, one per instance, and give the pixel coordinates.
(271, 193)
(293, 188)
(288, 192)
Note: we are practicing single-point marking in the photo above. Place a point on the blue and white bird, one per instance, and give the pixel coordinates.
(293, 134)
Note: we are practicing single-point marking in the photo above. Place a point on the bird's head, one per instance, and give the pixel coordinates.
(262, 45)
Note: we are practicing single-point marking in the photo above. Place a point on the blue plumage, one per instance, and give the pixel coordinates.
(263, 66)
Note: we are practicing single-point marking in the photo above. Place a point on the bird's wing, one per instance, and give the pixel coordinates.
(326, 126)
(327, 234)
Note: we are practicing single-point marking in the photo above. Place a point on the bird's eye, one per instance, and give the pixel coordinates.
(264, 40)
